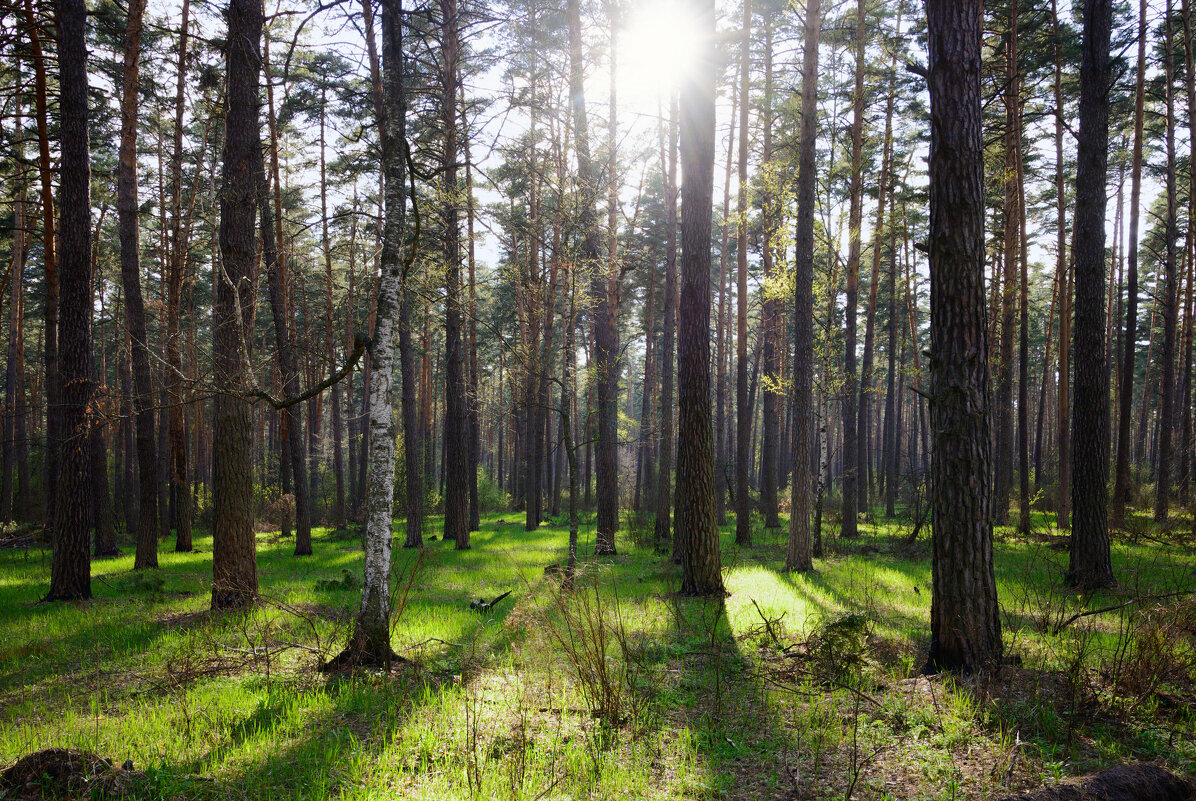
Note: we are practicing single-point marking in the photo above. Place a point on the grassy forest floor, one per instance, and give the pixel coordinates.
(797, 686)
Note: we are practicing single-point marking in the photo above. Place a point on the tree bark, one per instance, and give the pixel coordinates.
(799, 555)
(70, 567)
(964, 617)
(1090, 564)
(701, 567)
(1170, 295)
(234, 560)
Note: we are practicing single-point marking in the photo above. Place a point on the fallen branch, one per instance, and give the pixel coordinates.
(1123, 605)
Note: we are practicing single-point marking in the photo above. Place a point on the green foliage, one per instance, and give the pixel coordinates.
(490, 497)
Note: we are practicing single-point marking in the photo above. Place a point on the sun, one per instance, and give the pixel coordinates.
(657, 46)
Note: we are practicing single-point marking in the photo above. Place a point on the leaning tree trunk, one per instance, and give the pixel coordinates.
(70, 568)
(697, 523)
(1090, 564)
(234, 560)
(964, 622)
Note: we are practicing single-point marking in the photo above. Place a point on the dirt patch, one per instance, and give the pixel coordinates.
(66, 773)
(1122, 783)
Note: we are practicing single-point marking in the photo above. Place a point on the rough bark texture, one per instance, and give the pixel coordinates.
(696, 518)
(1090, 565)
(70, 567)
(234, 560)
(964, 622)
(800, 551)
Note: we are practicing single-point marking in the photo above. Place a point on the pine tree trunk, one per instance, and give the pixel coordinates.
(456, 424)
(70, 565)
(964, 621)
(1121, 486)
(770, 420)
(130, 268)
(801, 549)
(851, 445)
(743, 418)
(701, 569)
(1090, 564)
(234, 561)
(1170, 295)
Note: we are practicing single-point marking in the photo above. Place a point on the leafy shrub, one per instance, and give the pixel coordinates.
(490, 497)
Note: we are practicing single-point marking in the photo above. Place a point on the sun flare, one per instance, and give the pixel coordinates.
(657, 47)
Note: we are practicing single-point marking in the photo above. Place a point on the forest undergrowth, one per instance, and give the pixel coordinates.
(793, 686)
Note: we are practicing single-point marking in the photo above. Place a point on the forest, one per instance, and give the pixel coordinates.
(537, 399)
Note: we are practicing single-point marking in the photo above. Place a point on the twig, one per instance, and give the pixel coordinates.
(1115, 607)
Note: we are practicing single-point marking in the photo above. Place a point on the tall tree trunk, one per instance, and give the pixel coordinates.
(472, 398)
(234, 560)
(800, 551)
(338, 456)
(701, 567)
(866, 378)
(664, 483)
(770, 434)
(11, 506)
(178, 262)
(456, 424)
(1090, 564)
(130, 270)
(964, 617)
(851, 447)
(1121, 487)
(70, 567)
(602, 310)
(722, 334)
(282, 310)
(370, 643)
(1064, 271)
(50, 262)
(743, 417)
(1170, 296)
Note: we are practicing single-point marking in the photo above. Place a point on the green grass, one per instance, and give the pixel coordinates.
(752, 697)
